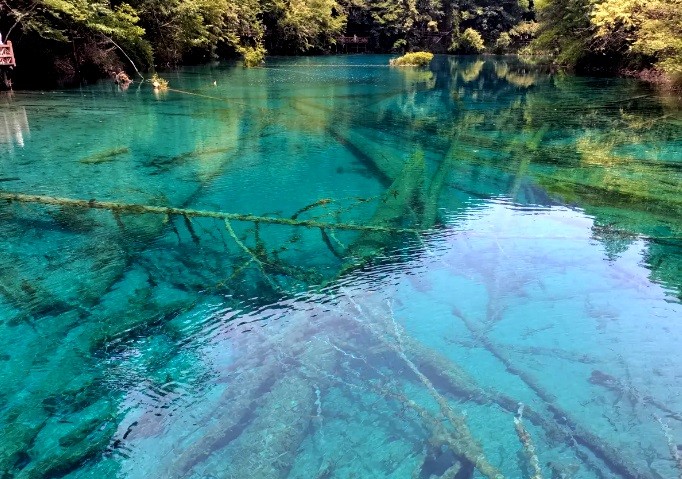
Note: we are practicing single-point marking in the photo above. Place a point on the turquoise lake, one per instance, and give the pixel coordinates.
(478, 275)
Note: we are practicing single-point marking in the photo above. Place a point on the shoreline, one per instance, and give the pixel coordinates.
(649, 76)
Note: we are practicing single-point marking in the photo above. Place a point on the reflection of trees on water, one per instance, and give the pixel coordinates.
(514, 129)
(13, 127)
(511, 128)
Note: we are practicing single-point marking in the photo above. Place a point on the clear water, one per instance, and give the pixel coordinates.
(547, 271)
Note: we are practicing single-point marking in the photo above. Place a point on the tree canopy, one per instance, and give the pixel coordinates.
(81, 38)
(613, 34)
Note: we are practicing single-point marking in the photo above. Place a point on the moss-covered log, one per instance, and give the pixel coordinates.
(135, 209)
(404, 194)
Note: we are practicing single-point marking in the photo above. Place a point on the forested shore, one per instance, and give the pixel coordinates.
(67, 42)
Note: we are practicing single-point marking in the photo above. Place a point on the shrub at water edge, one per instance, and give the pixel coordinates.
(418, 59)
(253, 56)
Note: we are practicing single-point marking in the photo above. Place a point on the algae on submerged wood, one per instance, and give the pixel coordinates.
(104, 156)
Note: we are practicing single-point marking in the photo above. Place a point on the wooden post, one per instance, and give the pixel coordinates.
(7, 55)
(6, 60)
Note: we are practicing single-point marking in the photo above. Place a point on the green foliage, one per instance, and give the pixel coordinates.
(63, 20)
(516, 39)
(399, 45)
(76, 37)
(101, 36)
(523, 33)
(503, 43)
(636, 33)
(614, 24)
(253, 56)
(470, 41)
(653, 28)
(197, 28)
(419, 59)
(165, 33)
(491, 18)
(306, 25)
(408, 23)
(565, 29)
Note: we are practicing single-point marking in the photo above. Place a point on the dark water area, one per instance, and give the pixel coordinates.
(513, 310)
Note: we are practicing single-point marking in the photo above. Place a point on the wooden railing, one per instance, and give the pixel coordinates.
(353, 40)
(7, 55)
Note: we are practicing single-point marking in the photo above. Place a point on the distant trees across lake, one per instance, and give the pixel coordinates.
(69, 41)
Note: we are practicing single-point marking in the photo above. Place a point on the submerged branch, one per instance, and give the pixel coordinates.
(254, 256)
(672, 446)
(124, 54)
(609, 455)
(461, 440)
(322, 202)
(527, 443)
(130, 208)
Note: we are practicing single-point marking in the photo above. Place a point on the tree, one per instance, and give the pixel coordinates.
(304, 25)
(399, 23)
(565, 29)
(195, 29)
(469, 42)
(79, 35)
(633, 33)
(651, 28)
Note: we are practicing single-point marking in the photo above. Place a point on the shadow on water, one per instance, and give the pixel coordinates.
(546, 272)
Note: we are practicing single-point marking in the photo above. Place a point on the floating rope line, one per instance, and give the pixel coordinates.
(129, 208)
(185, 92)
(201, 95)
(339, 65)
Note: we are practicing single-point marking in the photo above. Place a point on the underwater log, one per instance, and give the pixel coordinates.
(225, 421)
(104, 156)
(28, 449)
(461, 440)
(284, 412)
(446, 374)
(611, 457)
(130, 208)
(672, 446)
(406, 190)
(527, 443)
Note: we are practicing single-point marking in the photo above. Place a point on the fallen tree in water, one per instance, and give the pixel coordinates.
(130, 208)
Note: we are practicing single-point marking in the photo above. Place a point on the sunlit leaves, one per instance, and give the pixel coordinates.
(311, 24)
(644, 32)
